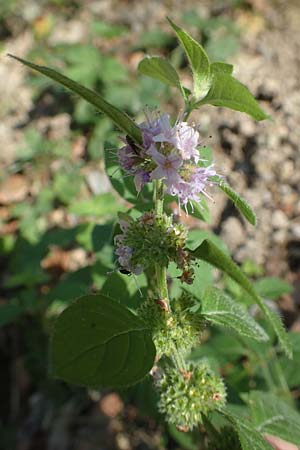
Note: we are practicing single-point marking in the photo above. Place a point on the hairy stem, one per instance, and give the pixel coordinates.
(158, 198)
(161, 271)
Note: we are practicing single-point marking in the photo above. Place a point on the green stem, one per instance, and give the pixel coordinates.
(158, 198)
(161, 271)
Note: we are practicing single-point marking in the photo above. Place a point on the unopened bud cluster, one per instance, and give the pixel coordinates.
(177, 328)
(151, 240)
(186, 395)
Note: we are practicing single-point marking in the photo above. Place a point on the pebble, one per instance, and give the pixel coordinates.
(233, 233)
(279, 220)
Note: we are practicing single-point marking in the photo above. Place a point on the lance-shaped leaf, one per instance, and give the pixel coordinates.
(98, 342)
(228, 92)
(210, 253)
(219, 309)
(162, 70)
(116, 115)
(271, 415)
(221, 67)
(249, 437)
(198, 60)
(240, 203)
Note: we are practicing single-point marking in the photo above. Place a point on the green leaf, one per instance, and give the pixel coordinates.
(200, 210)
(117, 116)
(273, 416)
(239, 202)
(228, 92)
(272, 287)
(291, 369)
(99, 205)
(198, 60)
(250, 439)
(221, 67)
(9, 313)
(98, 342)
(219, 309)
(161, 69)
(210, 253)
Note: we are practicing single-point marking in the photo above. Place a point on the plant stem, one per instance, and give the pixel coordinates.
(158, 198)
(161, 271)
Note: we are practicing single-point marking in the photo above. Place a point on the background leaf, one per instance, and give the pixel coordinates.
(272, 287)
(99, 205)
(271, 415)
(250, 439)
(228, 92)
(98, 342)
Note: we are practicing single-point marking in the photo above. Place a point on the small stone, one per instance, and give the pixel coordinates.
(280, 236)
(14, 189)
(111, 405)
(295, 230)
(279, 220)
(233, 233)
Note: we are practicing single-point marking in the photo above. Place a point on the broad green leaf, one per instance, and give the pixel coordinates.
(240, 203)
(228, 92)
(221, 67)
(250, 439)
(271, 415)
(117, 116)
(272, 287)
(198, 60)
(210, 253)
(219, 309)
(98, 342)
(161, 69)
(99, 205)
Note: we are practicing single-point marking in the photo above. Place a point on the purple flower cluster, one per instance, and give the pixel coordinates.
(169, 153)
(124, 252)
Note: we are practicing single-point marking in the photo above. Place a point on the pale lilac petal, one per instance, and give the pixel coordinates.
(157, 173)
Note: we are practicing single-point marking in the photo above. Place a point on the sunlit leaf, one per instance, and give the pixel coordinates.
(221, 67)
(228, 92)
(198, 60)
(161, 69)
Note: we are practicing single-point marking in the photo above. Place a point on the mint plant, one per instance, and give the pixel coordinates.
(98, 341)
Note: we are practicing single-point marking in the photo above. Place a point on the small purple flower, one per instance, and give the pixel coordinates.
(188, 190)
(127, 158)
(153, 128)
(167, 166)
(140, 179)
(187, 141)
